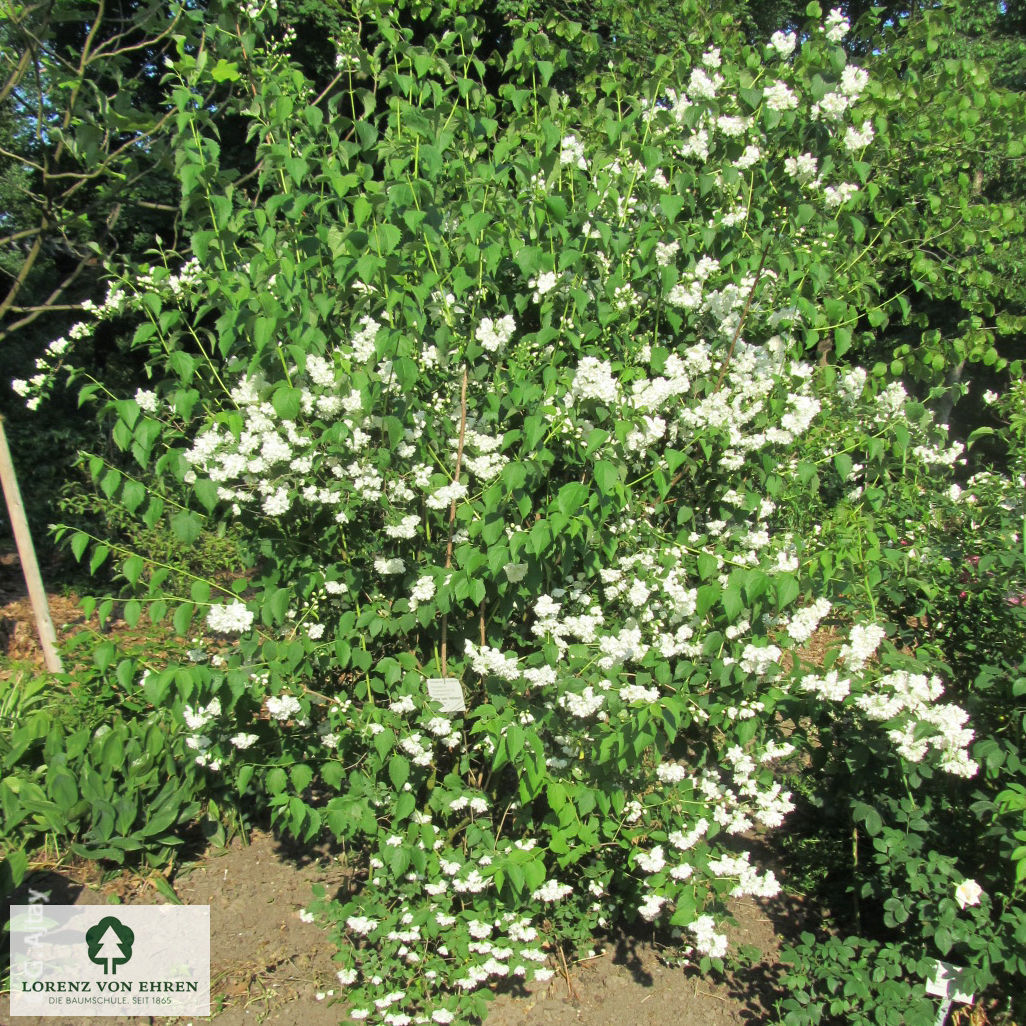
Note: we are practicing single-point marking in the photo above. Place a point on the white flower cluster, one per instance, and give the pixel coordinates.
(572, 153)
(804, 622)
(831, 687)
(651, 906)
(160, 280)
(231, 619)
(707, 940)
(543, 284)
(284, 707)
(778, 96)
(836, 25)
(197, 719)
(552, 890)
(803, 167)
(784, 43)
(750, 881)
(594, 379)
(863, 641)
(491, 662)
(495, 335)
(911, 698)
(837, 196)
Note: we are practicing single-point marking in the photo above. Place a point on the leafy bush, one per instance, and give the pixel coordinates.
(505, 389)
(947, 568)
(112, 785)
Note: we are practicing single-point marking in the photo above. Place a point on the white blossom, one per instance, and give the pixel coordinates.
(233, 619)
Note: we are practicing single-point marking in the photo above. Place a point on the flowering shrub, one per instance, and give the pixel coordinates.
(507, 391)
(932, 864)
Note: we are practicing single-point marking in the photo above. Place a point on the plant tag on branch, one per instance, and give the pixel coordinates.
(448, 693)
(946, 983)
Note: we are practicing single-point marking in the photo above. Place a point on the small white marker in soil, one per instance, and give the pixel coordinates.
(945, 985)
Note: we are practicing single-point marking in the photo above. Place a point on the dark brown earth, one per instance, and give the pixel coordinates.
(269, 967)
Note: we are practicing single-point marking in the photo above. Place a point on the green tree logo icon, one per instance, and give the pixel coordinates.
(110, 944)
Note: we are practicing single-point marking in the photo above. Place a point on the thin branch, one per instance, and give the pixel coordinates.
(25, 233)
(741, 320)
(44, 308)
(147, 205)
(102, 52)
(16, 76)
(20, 158)
(26, 267)
(69, 108)
(49, 304)
(324, 92)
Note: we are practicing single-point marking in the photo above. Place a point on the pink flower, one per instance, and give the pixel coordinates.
(967, 893)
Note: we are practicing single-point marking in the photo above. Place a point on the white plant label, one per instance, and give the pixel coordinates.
(946, 983)
(448, 693)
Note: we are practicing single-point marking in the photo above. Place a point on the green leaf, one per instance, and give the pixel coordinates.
(206, 491)
(287, 402)
(79, 543)
(103, 655)
(182, 618)
(671, 205)
(556, 206)
(186, 526)
(787, 590)
(133, 495)
(275, 606)
(405, 806)
(708, 566)
(301, 776)
(61, 785)
(868, 817)
(225, 71)
(398, 771)
(732, 601)
(132, 568)
(164, 889)
(245, 776)
(606, 476)
(132, 612)
(100, 553)
(263, 330)
(571, 498)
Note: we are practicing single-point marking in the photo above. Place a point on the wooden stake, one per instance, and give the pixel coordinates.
(27, 556)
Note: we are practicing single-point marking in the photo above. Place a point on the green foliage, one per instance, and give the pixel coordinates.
(945, 568)
(948, 202)
(854, 980)
(494, 362)
(150, 539)
(116, 786)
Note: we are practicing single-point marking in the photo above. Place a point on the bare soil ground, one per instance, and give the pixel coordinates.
(19, 643)
(270, 967)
